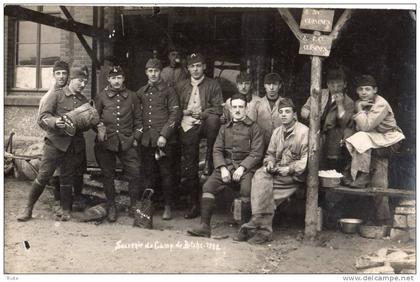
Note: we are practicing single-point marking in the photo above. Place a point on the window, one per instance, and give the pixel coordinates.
(37, 48)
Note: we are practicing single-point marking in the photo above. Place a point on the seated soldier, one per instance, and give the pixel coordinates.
(237, 152)
(279, 178)
(377, 128)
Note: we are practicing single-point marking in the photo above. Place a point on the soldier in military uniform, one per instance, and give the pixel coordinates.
(160, 117)
(175, 72)
(60, 150)
(61, 74)
(238, 152)
(118, 130)
(243, 84)
(201, 103)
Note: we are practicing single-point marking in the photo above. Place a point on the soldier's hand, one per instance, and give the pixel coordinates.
(161, 142)
(270, 167)
(135, 143)
(196, 115)
(59, 123)
(238, 174)
(339, 98)
(187, 112)
(223, 119)
(102, 133)
(283, 170)
(226, 178)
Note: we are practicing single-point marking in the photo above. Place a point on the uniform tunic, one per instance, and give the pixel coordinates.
(238, 144)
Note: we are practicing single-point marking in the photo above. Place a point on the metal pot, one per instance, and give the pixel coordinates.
(373, 232)
(349, 225)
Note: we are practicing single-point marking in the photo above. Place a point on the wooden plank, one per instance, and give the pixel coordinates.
(315, 45)
(371, 191)
(314, 19)
(291, 22)
(45, 19)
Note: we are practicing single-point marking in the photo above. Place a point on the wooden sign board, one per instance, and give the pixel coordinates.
(315, 45)
(321, 20)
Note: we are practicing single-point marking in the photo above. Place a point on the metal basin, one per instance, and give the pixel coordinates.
(349, 225)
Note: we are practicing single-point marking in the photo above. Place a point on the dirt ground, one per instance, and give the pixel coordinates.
(75, 247)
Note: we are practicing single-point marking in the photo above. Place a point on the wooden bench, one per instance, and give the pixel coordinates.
(371, 191)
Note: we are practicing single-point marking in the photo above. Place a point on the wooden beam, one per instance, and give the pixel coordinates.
(83, 41)
(291, 22)
(45, 19)
(312, 181)
(345, 16)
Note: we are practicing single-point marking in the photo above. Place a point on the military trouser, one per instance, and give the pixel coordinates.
(163, 169)
(131, 167)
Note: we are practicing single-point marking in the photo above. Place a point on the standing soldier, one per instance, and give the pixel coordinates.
(61, 75)
(243, 84)
(237, 154)
(201, 102)
(118, 130)
(160, 113)
(60, 150)
(266, 113)
(175, 72)
(336, 120)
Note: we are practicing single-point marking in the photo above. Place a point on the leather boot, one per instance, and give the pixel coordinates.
(242, 235)
(66, 201)
(207, 208)
(167, 214)
(195, 199)
(245, 211)
(34, 194)
(109, 190)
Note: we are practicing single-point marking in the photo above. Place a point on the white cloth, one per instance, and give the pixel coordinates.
(194, 105)
(362, 141)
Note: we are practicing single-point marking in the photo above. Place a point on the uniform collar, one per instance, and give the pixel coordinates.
(111, 92)
(291, 129)
(246, 121)
(68, 93)
(160, 85)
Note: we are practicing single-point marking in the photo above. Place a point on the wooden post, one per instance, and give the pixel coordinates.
(311, 218)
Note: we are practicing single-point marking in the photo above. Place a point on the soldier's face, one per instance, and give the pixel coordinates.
(287, 115)
(197, 70)
(116, 81)
(366, 93)
(243, 87)
(153, 74)
(336, 86)
(272, 90)
(61, 77)
(174, 58)
(238, 109)
(78, 84)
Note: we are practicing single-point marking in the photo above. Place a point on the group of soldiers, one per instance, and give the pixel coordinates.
(254, 144)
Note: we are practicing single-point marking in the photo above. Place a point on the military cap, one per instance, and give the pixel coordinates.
(336, 74)
(285, 103)
(243, 76)
(79, 72)
(272, 78)
(115, 70)
(60, 65)
(195, 58)
(365, 80)
(154, 63)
